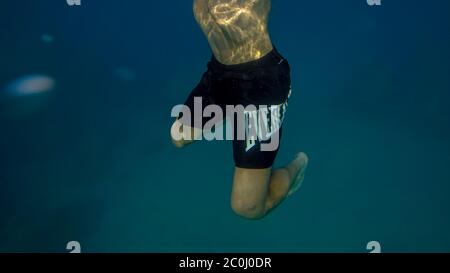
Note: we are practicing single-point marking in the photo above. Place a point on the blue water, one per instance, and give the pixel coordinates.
(91, 160)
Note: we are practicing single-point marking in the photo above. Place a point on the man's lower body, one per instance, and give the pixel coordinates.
(260, 89)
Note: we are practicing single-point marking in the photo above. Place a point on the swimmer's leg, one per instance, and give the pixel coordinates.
(256, 192)
(183, 135)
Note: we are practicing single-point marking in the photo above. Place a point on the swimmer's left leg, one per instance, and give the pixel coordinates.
(183, 135)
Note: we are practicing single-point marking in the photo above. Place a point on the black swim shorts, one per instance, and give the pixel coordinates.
(263, 88)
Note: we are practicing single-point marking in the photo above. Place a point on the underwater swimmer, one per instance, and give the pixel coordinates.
(245, 69)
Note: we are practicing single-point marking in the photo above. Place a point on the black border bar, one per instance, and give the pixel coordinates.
(227, 262)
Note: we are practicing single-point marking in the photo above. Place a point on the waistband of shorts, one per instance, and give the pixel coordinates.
(270, 59)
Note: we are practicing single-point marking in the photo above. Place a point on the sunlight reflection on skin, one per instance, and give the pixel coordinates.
(228, 13)
(236, 29)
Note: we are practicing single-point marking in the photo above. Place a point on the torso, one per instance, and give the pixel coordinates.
(236, 29)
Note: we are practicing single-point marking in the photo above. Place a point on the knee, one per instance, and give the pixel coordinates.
(180, 136)
(177, 139)
(248, 210)
(178, 143)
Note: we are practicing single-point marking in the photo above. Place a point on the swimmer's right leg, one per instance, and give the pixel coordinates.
(183, 135)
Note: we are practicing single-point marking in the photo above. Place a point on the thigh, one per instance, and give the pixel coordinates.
(254, 155)
(203, 104)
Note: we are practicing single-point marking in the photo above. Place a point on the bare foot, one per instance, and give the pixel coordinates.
(298, 168)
